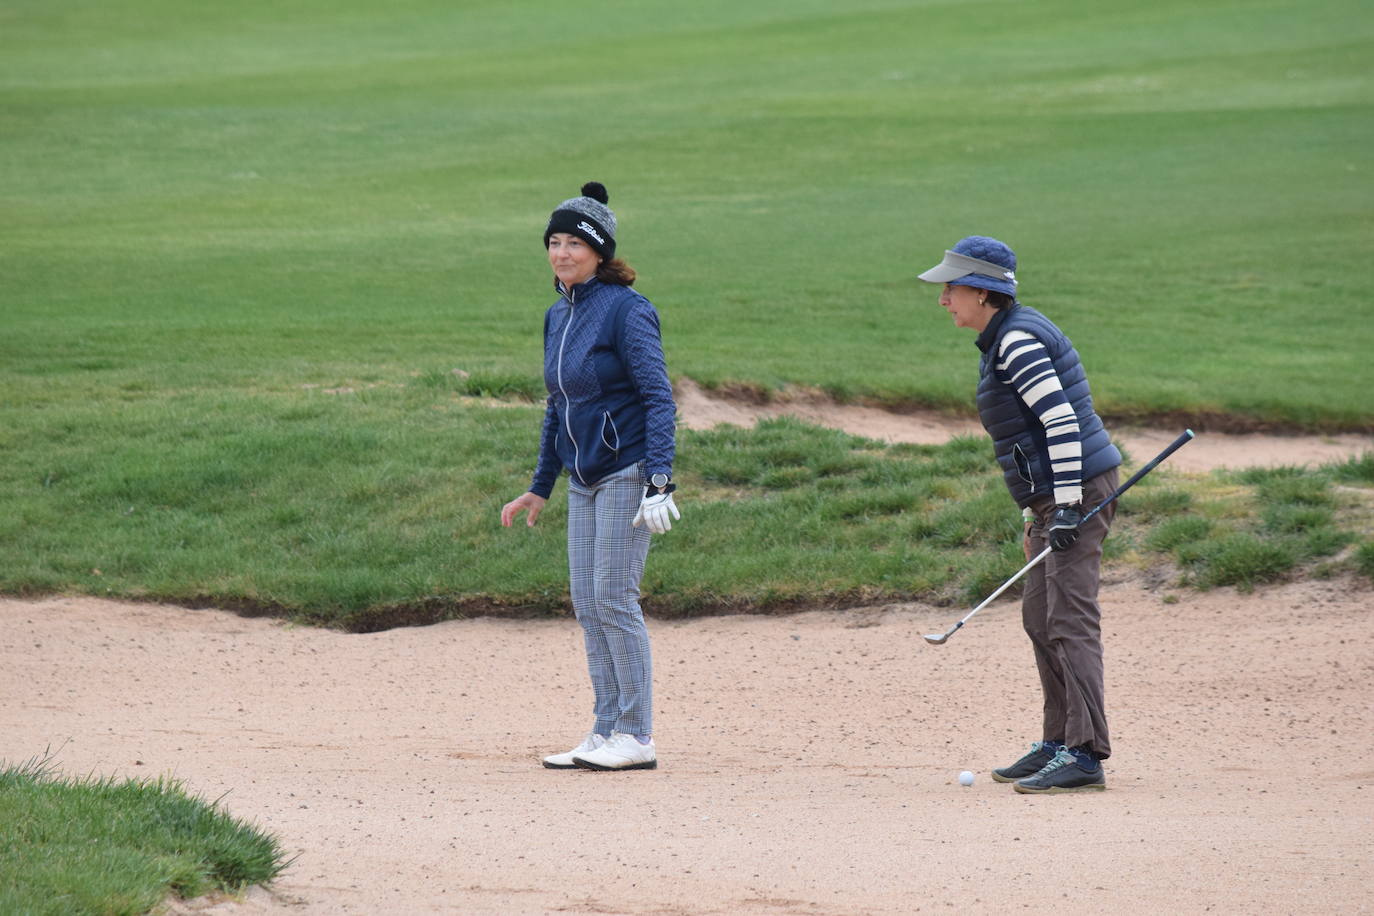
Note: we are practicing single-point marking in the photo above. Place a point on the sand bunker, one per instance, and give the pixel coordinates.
(809, 762)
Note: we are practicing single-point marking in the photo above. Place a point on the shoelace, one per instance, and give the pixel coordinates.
(1048, 748)
(1062, 758)
(621, 739)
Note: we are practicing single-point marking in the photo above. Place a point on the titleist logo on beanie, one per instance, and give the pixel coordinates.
(586, 217)
(587, 228)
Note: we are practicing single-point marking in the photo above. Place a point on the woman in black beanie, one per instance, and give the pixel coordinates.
(609, 421)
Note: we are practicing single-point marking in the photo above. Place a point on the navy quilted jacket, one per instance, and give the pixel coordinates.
(1017, 434)
(610, 403)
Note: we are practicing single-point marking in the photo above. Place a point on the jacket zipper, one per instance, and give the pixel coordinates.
(567, 403)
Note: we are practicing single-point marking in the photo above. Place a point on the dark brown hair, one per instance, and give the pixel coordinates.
(998, 300)
(614, 270)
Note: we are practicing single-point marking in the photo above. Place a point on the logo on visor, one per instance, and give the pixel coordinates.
(587, 228)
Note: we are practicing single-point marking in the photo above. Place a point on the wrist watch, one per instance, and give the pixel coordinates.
(659, 481)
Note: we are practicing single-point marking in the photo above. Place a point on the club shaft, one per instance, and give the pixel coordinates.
(1182, 440)
(1007, 584)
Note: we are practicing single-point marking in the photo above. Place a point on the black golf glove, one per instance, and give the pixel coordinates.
(1064, 526)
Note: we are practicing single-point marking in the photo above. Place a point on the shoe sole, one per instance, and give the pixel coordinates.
(559, 766)
(998, 777)
(1058, 790)
(588, 765)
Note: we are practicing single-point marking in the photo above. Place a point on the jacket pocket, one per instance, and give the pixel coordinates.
(608, 423)
(1025, 464)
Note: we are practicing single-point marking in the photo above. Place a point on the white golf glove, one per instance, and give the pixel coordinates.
(655, 508)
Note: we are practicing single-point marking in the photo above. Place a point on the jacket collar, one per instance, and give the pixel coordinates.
(579, 289)
(989, 335)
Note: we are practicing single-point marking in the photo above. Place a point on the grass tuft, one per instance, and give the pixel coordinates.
(109, 846)
(1150, 503)
(1308, 489)
(1364, 559)
(1356, 470)
(1177, 532)
(1288, 518)
(1324, 542)
(1242, 560)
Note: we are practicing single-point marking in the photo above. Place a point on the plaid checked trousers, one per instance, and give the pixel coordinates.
(605, 562)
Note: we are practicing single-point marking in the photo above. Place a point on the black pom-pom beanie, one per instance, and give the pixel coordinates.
(586, 217)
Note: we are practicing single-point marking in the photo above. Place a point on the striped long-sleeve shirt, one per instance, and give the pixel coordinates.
(1025, 365)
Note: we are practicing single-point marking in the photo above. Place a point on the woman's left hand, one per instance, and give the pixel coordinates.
(654, 509)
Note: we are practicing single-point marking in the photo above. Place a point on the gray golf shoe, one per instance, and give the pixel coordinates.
(1063, 774)
(1041, 753)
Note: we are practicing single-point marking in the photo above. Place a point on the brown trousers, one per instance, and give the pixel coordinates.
(1060, 613)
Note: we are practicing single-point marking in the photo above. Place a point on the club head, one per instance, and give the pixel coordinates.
(939, 639)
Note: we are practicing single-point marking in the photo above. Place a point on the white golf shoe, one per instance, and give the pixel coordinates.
(564, 761)
(620, 752)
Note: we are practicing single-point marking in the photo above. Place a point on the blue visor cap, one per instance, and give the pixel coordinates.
(962, 270)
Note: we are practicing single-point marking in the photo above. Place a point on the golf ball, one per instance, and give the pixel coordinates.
(966, 778)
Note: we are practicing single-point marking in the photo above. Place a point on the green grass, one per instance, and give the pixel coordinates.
(1243, 560)
(260, 262)
(258, 198)
(1357, 470)
(73, 847)
(379, 507)
(1364, 559)
(1246, 528)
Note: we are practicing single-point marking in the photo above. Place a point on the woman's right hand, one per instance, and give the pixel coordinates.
(527, 502)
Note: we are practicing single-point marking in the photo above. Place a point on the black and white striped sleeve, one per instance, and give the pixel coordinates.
(1024, 364)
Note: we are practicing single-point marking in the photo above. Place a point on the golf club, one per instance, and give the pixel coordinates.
(939, 639)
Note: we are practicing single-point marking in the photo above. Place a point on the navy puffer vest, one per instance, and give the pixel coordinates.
(1017, 434)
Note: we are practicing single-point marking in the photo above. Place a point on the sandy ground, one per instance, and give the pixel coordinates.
(809, 762)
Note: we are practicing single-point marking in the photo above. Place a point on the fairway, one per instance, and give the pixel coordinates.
(258, 199)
